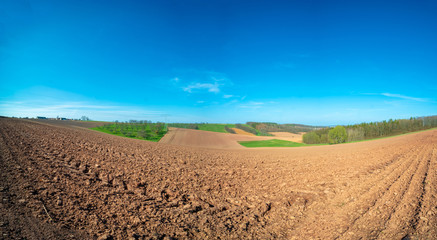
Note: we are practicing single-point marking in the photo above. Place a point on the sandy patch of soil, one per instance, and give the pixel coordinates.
(288, 136)
(242, 132)
(206, 139)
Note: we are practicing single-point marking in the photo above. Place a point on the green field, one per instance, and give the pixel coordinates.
(271, 143)
(144, 130)
(215, 127)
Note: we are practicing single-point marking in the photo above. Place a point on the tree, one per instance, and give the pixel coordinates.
(337, 135)
(311, 138)
(85, 118)
(354, 134)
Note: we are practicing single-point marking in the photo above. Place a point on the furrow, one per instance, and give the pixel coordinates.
(406, 212)
(347, 214)
(372, 222)
(424, 224)
(380, 174)
(371, 204)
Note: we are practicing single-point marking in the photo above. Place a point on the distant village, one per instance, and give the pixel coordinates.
(83, 118)
(56, 118)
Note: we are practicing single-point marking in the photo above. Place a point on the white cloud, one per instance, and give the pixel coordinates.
(227, 96)
(252, 105)
(257, 103)
(195, 81)
(210, 87)
(404, 97)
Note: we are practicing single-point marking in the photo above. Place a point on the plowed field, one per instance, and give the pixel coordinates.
(206, 139)
(60, 182)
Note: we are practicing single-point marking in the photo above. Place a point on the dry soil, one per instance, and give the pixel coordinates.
(63, 182)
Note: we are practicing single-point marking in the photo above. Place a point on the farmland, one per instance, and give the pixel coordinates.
(221, 128)
(212, 127)
(68, 182)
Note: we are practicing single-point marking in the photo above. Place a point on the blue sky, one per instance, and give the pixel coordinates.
(310, 62)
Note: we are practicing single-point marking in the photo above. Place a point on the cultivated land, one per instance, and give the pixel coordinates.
(206, 139)
(64, 182)
(294, 137)
(242, 132)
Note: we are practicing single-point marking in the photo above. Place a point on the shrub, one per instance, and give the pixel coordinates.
(141, 134)
(311, 138)
(337, 135)
(324, 138)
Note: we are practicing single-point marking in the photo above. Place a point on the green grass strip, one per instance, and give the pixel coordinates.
(211, 127)
(271, 143)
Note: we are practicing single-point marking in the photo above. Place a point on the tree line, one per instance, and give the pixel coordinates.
(371, 130)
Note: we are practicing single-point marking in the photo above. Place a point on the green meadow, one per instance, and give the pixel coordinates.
(271, 143)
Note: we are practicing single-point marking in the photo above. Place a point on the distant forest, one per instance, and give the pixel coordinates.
(276, 127)
(371, 130)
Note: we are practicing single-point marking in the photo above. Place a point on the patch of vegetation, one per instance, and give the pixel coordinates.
(311, 138)
(145, 130)
(215, 127)
(337, 135)
(271, 143)
(367, 131)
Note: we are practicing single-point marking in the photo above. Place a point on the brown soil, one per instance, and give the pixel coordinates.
(206, 139)
(73, 183)
(242, 132)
